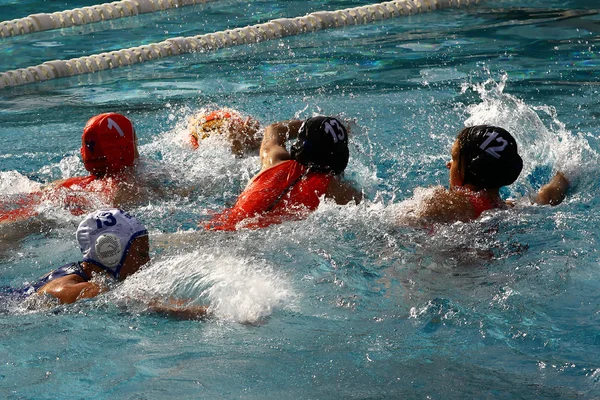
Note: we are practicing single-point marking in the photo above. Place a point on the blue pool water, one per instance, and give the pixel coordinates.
(346, 304)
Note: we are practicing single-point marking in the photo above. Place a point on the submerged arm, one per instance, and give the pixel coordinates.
(178, 309)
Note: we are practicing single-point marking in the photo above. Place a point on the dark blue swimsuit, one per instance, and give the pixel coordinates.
(10, 293)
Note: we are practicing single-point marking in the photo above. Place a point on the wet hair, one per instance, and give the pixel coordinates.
(322, 145)
(489, 157)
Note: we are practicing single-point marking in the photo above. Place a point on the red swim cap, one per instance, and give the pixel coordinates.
(108, 144)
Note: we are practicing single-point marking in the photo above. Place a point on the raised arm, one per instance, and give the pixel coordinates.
(553, 192)
(243, 135)
(272, 149)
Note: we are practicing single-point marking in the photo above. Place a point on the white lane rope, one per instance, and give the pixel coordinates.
(273, 29)
(88, 15)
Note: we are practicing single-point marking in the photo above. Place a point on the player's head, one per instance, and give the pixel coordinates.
(322, 145)
(487, 156)
(108, 144)
(114, 241)
(206, 123)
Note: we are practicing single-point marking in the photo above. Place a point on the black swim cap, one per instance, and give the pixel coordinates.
(322, 145)
(490, 156)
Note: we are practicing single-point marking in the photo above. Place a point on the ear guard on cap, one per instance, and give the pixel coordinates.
(108, 249)
(322, 145)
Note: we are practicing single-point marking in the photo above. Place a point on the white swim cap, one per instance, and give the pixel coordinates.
(104, 237)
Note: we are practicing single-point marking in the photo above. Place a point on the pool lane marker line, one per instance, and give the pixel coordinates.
(88, 15)
(273, 29)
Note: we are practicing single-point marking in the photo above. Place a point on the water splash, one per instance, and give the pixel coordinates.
(544, 141)
(67, 167)
(239, 289)
(12, 182)
(211, 167)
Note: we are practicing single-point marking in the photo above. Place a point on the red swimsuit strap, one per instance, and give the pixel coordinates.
(480, 201)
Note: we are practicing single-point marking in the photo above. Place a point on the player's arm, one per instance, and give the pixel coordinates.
(272, 148)
(553, 192)
(244, 136)
(54, 184)
(178, 309)
(71, 288)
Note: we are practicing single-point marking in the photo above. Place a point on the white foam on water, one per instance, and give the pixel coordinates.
(67, 167)
(12, 182)
(210, 167)
(244, 290)
(542, 138)
(405, 211)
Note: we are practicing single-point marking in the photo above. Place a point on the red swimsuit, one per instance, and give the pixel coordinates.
(283, 192)
(481, 202)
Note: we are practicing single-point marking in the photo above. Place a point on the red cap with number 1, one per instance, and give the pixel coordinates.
(108, 144)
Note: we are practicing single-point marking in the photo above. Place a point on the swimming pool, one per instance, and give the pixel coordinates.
(344, 304)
